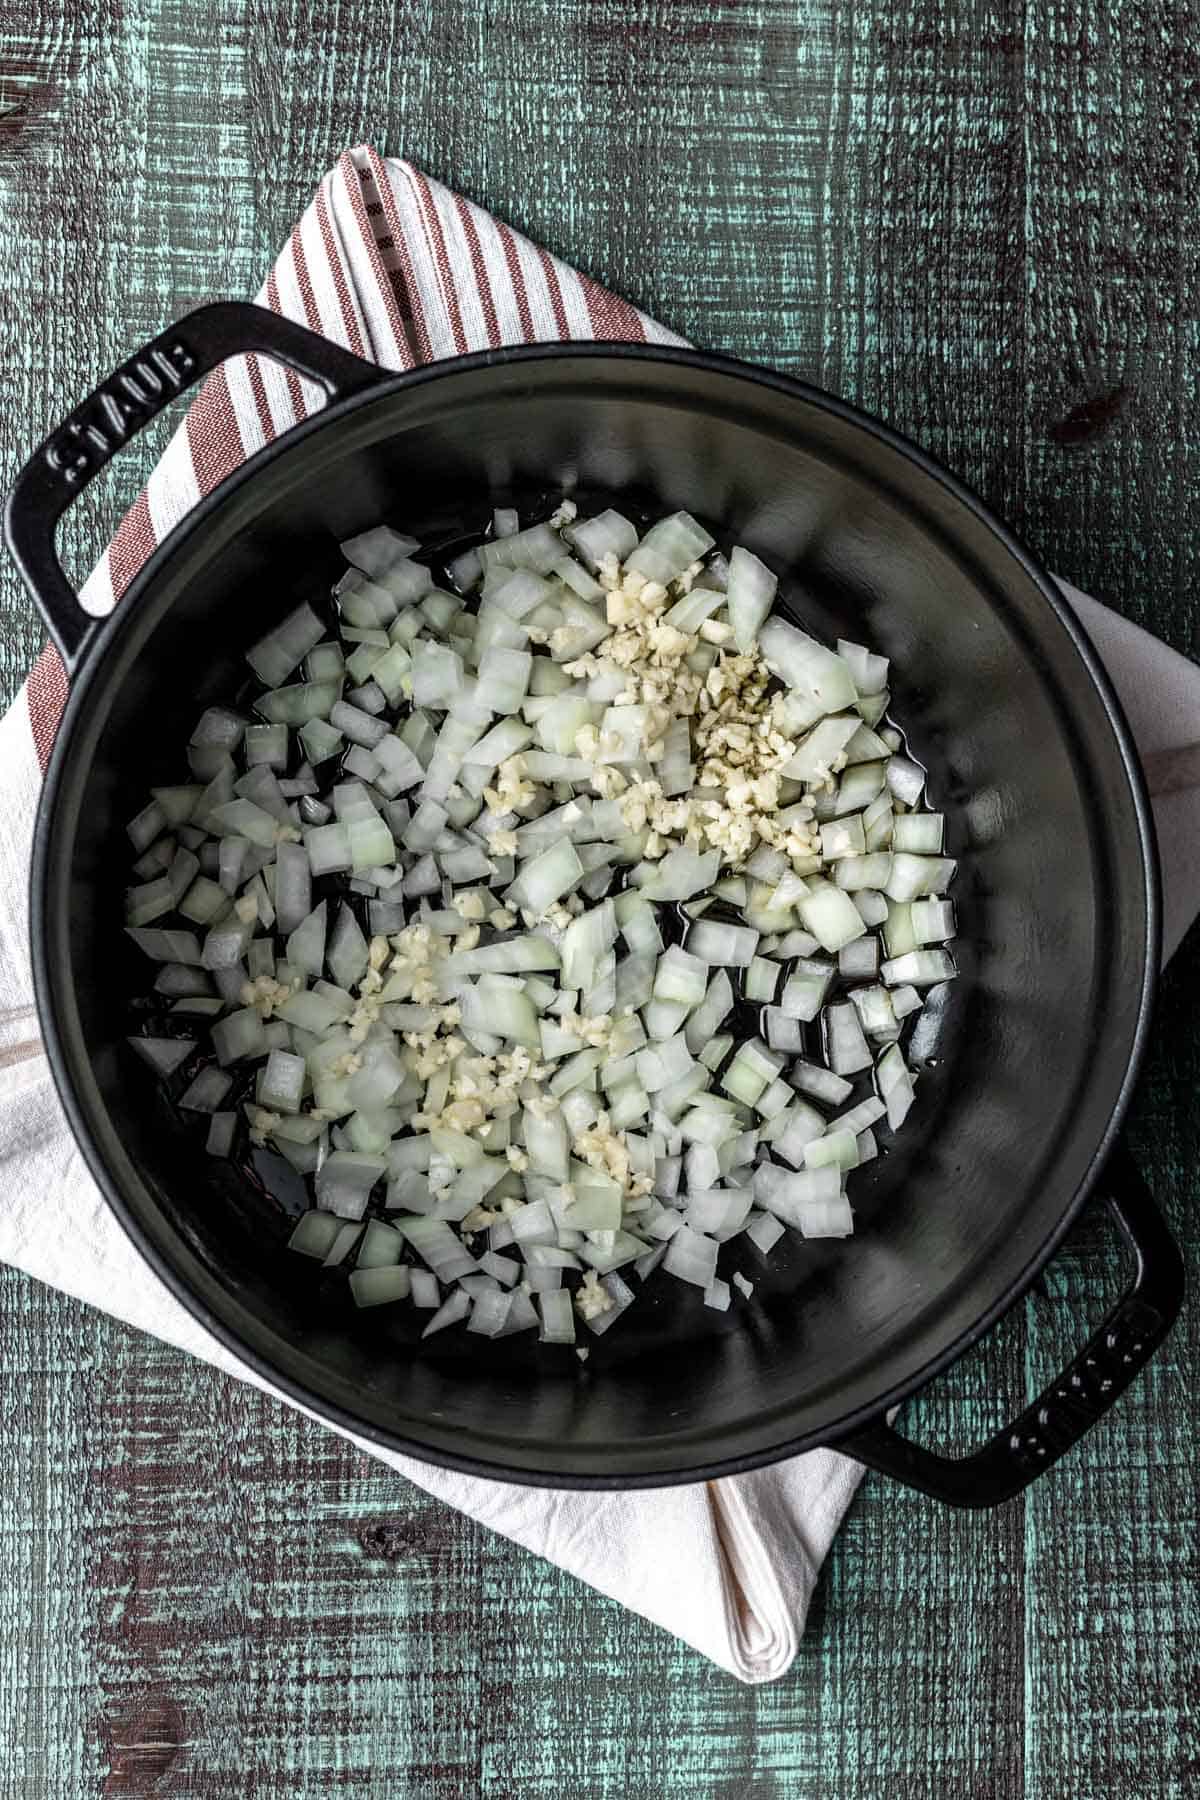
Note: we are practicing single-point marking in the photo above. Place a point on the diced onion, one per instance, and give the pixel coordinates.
(509, 1049)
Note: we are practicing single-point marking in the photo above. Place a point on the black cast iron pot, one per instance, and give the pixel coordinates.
(1027, 1074)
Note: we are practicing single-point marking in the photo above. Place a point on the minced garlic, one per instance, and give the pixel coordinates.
(592, 1300)
(513, 789)
(595, 1032)
(606, 1151)
(481, 1089)
(737, 737)
(479, 1218)
(266, 995)
(262, 1124)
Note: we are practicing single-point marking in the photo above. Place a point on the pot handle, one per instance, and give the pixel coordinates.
(1081, 1395)
(122, 406)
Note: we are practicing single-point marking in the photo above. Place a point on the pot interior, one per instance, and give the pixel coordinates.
(1023, 1066)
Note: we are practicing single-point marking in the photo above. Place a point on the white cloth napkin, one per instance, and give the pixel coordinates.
(398, 268)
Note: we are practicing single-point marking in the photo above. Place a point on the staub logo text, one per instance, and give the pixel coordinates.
(139, 389)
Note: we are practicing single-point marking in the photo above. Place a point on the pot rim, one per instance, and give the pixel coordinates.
(93, 655)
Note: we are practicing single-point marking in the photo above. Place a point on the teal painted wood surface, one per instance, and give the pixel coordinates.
(976, 217)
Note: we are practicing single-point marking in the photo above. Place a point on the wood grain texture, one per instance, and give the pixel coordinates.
(976, 217)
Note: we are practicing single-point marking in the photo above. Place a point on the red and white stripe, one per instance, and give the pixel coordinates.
(393, 266)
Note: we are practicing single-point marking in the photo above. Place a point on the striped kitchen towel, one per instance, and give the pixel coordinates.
(391, 265)
(401, 270)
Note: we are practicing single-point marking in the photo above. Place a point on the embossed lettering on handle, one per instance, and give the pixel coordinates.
(1081, 1395)
(1088, 1388)
(121, 407)
(129, 399)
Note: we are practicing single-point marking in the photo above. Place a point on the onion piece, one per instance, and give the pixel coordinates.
(489, 1313)
(761, 979)
(239, 1036)
(803, 1126)
(933, 921)
(906, 779)
(715, 1051)
(872, 906)
(681, 874)
(805, 989)
(870, 672)
(359, 726)
(164, 1055)
(919, 832)
(222, 1132)
(848, 1048)
(752, 1069)
(859, 961)
(915, 876)
(380, 1286)
(918, 968)
(438, 1245)
(905, 1000)
(424, 1289)
(607, 534)
(750, 595)
(206, 1092)
(315, 1234)
(293, 887)
(876, 1013)
(730, 946)
(281, 1083)
(830, 915)
(836, 1149)
(454, 1309)
(873, 869)
(783, 1033)
(620, 1298)
(896, 1086)
(680, 978)
(546, 878)
(345, 1180)
(717, 1295)
(692, 1257)
(826, 1218)
(346, 955)
(764, 1232)
(718, 1210)
(378, 550)
(867, 746)
(898, 933)
(584, 942)
(298, 704)
(709, 1014)
(669, 547)
(306, 947)
(808, 667)
(153, 899)
(328, 848)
